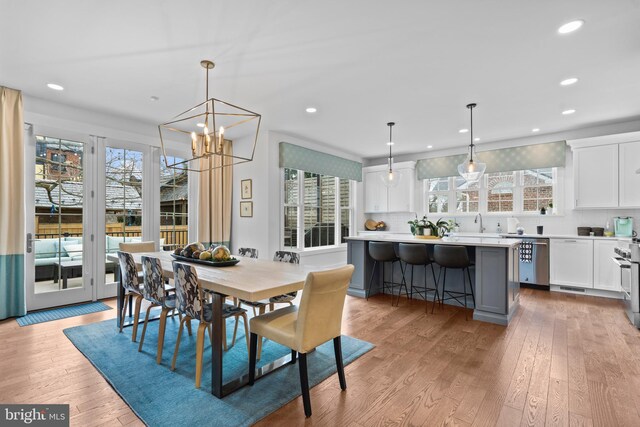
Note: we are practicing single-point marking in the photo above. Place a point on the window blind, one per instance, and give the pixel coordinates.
(296, 157)
(536, 156)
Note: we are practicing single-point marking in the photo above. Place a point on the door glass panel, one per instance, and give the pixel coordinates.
(59, 190)
(123, 201)
(174, 204)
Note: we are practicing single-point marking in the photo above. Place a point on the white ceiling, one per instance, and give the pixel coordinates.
(361, 63)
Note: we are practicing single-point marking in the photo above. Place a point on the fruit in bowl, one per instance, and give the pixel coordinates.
(221, 253)
(188, 250)
(206, 256)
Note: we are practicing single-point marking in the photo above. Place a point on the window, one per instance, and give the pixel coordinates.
(537, 189)
(174, 203)
(438, 195)
(316, 207)
(500, 187)
(519, 192)
(467, 195)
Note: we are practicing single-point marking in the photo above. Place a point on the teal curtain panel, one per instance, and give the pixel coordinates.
(535, 156)
(296, 157)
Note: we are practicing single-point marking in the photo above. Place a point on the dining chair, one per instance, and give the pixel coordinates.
(291, 258)
(190, 302)
(260, 305)
(154, 292)
(132, 288)
(136, 247)
(317, 320)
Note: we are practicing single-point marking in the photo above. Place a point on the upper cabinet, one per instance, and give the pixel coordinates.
(606, 171)
(380, 198)
(629, 174)
(595, 175)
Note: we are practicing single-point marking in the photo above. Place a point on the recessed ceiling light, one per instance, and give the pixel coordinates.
(567, 112)
(429, 146)
(154, 98)
(476, 139)
(463, 130)
(389, 143)
(535, 130)
(200, 125)
(568, 82)
(54, 86)
(570, 27)
(311, 110)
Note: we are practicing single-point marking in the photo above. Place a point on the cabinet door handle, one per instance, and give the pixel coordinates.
(571, 241)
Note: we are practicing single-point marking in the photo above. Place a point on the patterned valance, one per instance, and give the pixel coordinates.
(296, 157)
(536, 156)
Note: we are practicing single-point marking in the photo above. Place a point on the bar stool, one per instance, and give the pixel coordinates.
(384, 252)
(454, 257)
(416, 254)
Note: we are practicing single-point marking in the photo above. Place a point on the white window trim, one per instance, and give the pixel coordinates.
(558, 200)
(300, 214)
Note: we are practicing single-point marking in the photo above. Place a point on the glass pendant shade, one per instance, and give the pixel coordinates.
(471, 169)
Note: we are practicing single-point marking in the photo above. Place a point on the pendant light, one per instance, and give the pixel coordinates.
(471, 170)
(390, 179)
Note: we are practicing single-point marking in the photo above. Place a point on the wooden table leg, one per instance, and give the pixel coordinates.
(216, 346)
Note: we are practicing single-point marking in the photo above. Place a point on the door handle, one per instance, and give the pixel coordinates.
(30, 241)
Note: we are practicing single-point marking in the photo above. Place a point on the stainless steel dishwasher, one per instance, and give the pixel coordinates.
(534, 261)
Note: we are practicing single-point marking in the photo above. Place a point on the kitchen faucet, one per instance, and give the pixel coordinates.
(476, 221)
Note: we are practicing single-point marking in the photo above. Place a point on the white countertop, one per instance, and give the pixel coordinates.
(538, 236)
(488, 241)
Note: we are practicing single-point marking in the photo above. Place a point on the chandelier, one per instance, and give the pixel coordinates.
(471, 170)
(205, 128)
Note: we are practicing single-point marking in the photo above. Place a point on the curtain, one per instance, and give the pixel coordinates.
(295, 157)
(536, 156)
(214, 200)
(12, 290)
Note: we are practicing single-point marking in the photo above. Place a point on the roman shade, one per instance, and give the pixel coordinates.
(536, 156)
(296, 157)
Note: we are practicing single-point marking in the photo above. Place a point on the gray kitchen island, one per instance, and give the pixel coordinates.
(496, 279)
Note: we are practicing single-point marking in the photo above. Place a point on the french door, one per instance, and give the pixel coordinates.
(59, 261)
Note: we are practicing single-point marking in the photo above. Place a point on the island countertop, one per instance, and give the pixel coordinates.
(490, 242)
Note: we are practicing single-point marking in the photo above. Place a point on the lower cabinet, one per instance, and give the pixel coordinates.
(606, 274)
(571, 262)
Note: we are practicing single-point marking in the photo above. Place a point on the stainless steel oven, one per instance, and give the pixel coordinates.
(629, 280)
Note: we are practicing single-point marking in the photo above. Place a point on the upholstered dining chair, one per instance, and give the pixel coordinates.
(190, 301)
(153, 290)
(260, 305)
(291, 258)
(131, 287)
(136, 247)
(316, 321)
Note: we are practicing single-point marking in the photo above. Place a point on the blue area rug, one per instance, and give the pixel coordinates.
(61, 313)
(164, 398)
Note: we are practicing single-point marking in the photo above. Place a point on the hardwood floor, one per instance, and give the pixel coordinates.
(565, 360)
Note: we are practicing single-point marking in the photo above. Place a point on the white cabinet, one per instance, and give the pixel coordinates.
(629, 164)
(606, 274)
(380, 198)
(595, 175)
(375, 192)
(571, 262)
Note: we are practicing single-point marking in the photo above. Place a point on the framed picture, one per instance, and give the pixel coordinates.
(246, 209)
(247, 188)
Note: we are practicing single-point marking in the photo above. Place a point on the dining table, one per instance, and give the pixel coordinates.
(250, 279)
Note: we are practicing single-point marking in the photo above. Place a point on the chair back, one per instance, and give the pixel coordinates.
(382, 251)
(287, 256)
(135, 247)
(128, 272)
(153, 284)
(451, 256)
(414, 253)
(320, 311)
(189, 298)
(248, 252)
